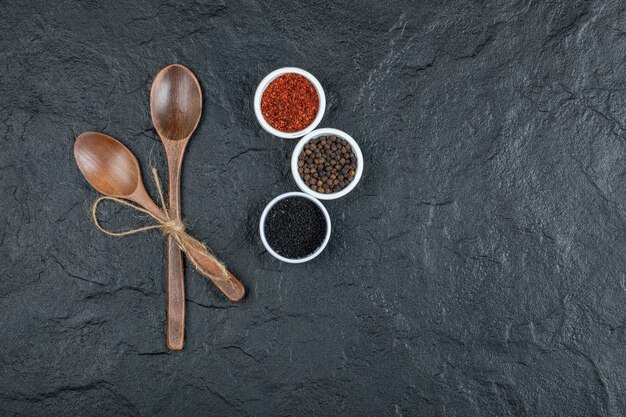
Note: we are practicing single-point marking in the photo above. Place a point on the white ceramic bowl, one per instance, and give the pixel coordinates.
(261, 89)
(326, 132)
(262, 228)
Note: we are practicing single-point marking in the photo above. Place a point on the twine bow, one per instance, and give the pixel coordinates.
(169, 226)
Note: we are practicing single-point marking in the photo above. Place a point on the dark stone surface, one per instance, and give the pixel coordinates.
(477, 270)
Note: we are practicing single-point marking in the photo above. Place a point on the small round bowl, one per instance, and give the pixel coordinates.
(326, 132)
(261, 89)
(262, 228)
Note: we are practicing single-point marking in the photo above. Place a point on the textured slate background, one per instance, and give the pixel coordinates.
(477, 269)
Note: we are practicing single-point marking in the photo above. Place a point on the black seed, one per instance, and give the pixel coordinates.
(295, 227)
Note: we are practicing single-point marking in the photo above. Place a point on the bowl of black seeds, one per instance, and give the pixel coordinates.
(295, 227)
(327, 164)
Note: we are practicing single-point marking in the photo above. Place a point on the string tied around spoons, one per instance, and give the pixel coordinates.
(168, 225)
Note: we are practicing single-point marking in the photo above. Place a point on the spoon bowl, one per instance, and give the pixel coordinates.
(175, 102)
(112, 169)
(108, 166)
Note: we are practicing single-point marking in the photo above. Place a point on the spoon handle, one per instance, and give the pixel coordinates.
(175, 334)
(175, 265)
(175, 296)
(230, 286)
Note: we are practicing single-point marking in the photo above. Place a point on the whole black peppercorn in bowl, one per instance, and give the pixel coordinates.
(295, 227)
(327, 164)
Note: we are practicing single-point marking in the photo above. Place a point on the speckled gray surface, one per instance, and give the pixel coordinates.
(478, 268)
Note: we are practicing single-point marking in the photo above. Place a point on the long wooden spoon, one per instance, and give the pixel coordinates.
(176, 107)
(112, 169)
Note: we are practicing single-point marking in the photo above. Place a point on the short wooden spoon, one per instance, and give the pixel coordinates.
(112, 169)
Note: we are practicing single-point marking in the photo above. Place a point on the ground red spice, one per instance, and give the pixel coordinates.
(290, 103)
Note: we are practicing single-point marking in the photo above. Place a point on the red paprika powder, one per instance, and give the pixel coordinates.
(290, 103)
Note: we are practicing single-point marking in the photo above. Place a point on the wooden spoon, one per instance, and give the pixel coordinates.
(176, 107)
(112, 169)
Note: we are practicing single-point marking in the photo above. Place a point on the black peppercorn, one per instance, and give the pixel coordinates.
(327, 164)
